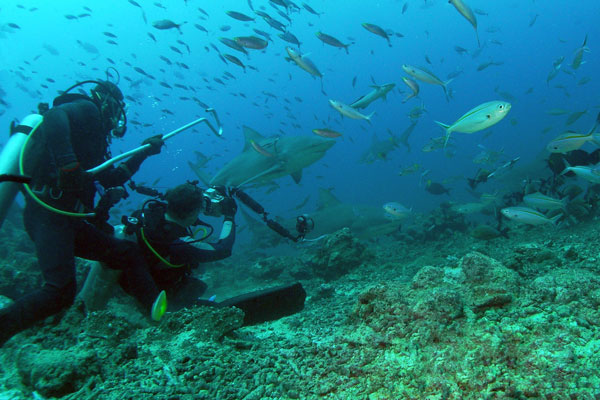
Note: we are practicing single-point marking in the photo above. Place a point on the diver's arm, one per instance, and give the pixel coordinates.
(112, 177)
(195, 253)
(118, 176)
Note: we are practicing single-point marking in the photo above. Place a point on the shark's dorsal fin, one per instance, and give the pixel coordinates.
(327, 199)
(297, 176)
(251, 135)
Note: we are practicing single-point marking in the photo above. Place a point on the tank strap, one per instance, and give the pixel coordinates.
(21, 129)
(69, 98)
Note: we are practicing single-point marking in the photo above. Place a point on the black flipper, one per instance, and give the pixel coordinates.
(266, 305)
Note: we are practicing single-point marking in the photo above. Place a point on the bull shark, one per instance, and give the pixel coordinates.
(331, 215)
(364, 221)
(379, 149)
(264, 159)
(377, 93)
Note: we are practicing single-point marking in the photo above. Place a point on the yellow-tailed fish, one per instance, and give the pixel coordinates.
(466, 12)
(330, 40)
(395, 210)
(424, 75)
(541, 201)
(577, 60)
(412, 86)
(348, 111)
(377, 30)
(570, 141)
(589, 173)
(574, 117)
(528, 216)
(305, 63)
(261, 150)
(326, 132)
(481, 117)
(251, 42)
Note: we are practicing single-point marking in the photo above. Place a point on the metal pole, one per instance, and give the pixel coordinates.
(130, 153)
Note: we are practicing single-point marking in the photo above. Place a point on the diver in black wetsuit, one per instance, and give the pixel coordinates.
(166, 233)
(75, 136)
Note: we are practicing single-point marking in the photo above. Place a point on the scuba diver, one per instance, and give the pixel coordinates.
(74, 136)
(168, 234)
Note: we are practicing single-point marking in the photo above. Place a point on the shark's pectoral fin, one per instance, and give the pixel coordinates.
(296, 176)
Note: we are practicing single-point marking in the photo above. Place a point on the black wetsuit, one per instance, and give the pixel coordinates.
(165, 239)
(72, 131)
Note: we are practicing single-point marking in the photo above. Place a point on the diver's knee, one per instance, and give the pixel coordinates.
(63, 295)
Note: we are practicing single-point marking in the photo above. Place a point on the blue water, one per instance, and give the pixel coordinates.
(430, 28)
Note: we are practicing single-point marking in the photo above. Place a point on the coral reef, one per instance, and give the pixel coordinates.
(382, 321)
(340, 254)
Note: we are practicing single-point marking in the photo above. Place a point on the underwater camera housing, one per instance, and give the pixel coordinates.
(304, 223)
(213, 198)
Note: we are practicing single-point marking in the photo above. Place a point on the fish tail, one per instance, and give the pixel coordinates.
(346, 48)
(447, 129)
(445, 87)
(443, 125)
(564, 201)
(477, 36)
(369, 117)
(555, 219)
(567, 169)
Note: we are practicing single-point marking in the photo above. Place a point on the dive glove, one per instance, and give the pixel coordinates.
(71, 177)
(155, 142)
(228, 207)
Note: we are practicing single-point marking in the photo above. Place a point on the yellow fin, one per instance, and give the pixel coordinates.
(159, 308)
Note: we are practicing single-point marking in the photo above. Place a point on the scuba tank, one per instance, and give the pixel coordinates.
(9, 160)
